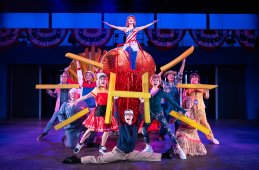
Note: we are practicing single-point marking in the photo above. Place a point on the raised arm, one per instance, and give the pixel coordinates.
(145, 26)
(79, 74)
(182, 67)
(115, 27)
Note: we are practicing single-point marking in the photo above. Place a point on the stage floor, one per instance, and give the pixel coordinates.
(238, 149)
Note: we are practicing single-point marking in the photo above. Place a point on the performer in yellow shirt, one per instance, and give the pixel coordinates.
(199, 95)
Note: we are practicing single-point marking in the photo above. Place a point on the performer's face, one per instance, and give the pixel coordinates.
(189, 103)
(170, 77)
(103, 81)
(63, 78)
(128, 117)
(131, 20)
(155, 82)
(88, 77)
(194, 80)
(74, 95)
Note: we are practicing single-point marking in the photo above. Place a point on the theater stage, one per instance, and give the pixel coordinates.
(238, 149)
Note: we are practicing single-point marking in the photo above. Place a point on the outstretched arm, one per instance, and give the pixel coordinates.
(91, 94)
(115, 27)
(182, 67)
(145, 26)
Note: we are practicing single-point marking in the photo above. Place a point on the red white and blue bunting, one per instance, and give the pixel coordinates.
(9, 36)
(208, 38)
(246, 38)
(92, 37)
(165, 38)
(46, 37)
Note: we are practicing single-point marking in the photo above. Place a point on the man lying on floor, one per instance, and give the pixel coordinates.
(124, 150)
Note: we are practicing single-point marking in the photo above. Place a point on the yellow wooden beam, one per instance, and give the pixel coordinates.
(177, 60)
(108, 114)
(56, 86)
(71, 119)
(85, 60)
(145, 89)
(130, 94)
(190, 122)
(197, 86)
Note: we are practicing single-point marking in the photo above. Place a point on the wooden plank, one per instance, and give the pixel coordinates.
(130, 94)
(72, 119)
(177, 60)
(197, 86)
(190, 122)
(108, 114)
(56, 86)
(79, 58)
(145, 89)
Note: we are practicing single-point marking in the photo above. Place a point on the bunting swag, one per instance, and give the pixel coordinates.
(92, 37)
(208, 38)
(45, 37)
(165, 39)
(9, 36)
(246, 38)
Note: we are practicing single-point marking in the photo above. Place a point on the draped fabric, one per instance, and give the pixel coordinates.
(9, 36)
(165, 39)
(246, 38)
(46, 37)
(209, 38)
(92, 37)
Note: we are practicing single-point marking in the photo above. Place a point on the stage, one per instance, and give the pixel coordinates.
(238, 149)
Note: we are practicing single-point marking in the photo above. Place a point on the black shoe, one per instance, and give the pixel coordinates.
(168, 154)
(71, 160)
(39, 138)
(63, 139)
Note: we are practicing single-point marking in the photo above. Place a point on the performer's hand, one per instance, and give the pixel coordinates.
(141, 100)
(115, 97)
(105, 22)
(96, 69)
(155, 21)
(48, 91)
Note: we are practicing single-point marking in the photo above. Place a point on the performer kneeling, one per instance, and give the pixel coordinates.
(124, 150)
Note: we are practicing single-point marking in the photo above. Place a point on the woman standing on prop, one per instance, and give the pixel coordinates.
(187, 135)
(131, 45)
(169, 86)
(156, 113)
(95, 122)
(199, 94)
